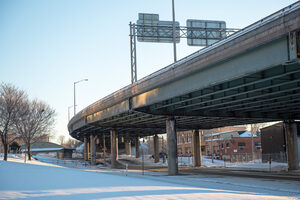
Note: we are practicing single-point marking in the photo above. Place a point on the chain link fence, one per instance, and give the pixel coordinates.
(255, 161)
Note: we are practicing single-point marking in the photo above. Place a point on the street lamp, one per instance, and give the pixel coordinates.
(75, 93)
(69, 107)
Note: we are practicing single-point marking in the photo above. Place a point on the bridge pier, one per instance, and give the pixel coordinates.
(92, 144)
(291, 145)
(156, 149)
(127, 145)
(196, 149)
(85, 149)
(114, 148)
(104, 147)
(137, 147)
(172, 146)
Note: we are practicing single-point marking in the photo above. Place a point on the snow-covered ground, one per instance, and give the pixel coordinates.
(207, 162)
(257, 164)
(37, 180)
(148, 160)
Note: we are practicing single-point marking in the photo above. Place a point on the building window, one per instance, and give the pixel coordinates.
(180, 140)
(179, 151)
(188, 138)
(222, 145)
(258, 145)
(187, 150)
(241, 145)
(227, 145)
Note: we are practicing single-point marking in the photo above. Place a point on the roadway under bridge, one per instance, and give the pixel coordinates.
(250, 77)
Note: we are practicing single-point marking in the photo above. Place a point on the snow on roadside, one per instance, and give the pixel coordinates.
(42, 159)
(207, 162)
(79, 164)
(257, 165)
(20, 158)
(33, 181)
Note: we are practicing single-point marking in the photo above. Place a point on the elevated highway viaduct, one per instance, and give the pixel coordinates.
(250, 77)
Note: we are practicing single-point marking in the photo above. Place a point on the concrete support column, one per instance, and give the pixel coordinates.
(114, 148)
(93, 156)
(156, 149)
(172, 146)
(85, 150)
(97, 145)
(104, 146)
(88, 150)
(196, 149)
(127, 145)
(137, 147)
(291, 145)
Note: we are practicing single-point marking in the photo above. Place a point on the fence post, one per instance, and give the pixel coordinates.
(270, 163)
(126, 172)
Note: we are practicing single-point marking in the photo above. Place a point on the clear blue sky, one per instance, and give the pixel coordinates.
(46, 45)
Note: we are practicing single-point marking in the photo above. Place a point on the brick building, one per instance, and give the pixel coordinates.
(184, 143)
(239, 148)
(184, 140)
(211, 142)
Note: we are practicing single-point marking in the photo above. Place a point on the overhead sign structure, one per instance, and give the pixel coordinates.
(205, 32)
(150, 29)
(198, 33)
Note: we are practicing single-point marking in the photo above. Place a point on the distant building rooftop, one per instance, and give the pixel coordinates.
(227, 135)
(49, 147)
(221, 133)
(44, 146)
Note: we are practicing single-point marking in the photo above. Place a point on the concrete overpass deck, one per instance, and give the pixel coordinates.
(252, 76)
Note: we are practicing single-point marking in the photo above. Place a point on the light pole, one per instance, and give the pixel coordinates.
(75, 93)
(69, 112)
(174, 32)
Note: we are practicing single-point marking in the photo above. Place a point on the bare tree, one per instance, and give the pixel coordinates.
(254, 128)
(61, 139)
(72, 143)
(10, 98)
(36, 120)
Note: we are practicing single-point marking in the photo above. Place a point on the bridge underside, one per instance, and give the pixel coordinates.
(269, 95)
(273, 93)
(143, 124)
